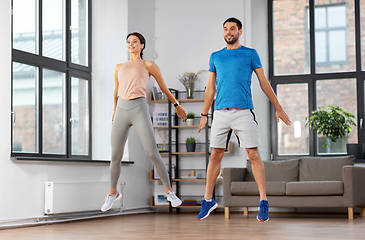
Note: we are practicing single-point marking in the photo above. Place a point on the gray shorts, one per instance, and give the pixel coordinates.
(242, 122)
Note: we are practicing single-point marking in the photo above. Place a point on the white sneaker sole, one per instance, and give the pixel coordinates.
(111, 205)
(175, 203)
(210, 210)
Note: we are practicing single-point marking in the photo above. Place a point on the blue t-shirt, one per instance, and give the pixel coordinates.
(234, 70)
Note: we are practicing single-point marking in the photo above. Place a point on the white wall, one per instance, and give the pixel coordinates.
(5, 91)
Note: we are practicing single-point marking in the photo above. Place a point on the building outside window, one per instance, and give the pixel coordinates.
(51, 80)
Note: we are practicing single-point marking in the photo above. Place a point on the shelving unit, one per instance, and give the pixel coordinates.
(174, 150)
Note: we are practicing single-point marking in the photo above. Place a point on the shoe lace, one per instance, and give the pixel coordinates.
(264, 208)
(172, 195)
(108, 197)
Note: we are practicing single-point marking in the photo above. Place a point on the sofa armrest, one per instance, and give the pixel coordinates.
(353, 178)
(231, 175)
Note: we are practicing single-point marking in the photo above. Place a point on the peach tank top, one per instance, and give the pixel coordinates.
(133, 78)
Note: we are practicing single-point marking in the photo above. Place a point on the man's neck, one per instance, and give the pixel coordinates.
(234, 45)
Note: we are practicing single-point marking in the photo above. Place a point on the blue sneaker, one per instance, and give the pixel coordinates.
(206, 209)
(263, 215)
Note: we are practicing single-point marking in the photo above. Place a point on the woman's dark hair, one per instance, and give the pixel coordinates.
(235, 20)
(141, 39)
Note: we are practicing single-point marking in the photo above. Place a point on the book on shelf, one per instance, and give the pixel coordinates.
(189, 202)
(189, 177)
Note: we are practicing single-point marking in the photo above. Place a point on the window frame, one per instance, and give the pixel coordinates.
(311, 80)
(70, 69)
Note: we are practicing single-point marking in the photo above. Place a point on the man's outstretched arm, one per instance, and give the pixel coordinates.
(267, 89)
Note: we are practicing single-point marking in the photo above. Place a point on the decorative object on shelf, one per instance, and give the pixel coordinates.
(161, 96)
(333, 123)
(190, 119)
(160, 119)
(190, 144)
(164, 135)
(189, 80)
(160, 198)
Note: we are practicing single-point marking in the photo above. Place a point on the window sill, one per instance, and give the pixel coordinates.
(68, 160)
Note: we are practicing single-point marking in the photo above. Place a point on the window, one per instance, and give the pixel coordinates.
(289, 50)
(338, 92)
(362, 27)
(293, 139)
(330, 74)
(330, 35)
(51, 81)
(334, 36)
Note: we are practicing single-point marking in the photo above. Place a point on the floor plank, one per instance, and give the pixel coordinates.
(184, 226)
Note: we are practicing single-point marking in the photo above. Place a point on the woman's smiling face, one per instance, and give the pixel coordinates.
(134, 44)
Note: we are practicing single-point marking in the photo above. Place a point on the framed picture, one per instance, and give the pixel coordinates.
(154, 93)
(160, 198)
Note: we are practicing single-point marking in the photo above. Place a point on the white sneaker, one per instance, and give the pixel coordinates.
(171, 197)
(110, 200)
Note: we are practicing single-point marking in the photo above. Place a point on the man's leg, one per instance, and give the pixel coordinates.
(214, 168)
(258, 170)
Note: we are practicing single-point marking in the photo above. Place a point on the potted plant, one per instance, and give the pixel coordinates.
(189, 80)
(334, 123)
(190, 144)
(190, 119)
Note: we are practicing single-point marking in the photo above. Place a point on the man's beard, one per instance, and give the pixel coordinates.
(232, 41)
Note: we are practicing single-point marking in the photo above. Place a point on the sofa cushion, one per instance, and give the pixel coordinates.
(251, 189)
(286, 171)
(314, 188)
(323, 168)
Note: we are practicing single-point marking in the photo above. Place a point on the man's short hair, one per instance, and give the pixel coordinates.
(235, 20)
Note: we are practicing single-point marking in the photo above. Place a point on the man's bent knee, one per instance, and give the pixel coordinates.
(217, 153)
(253, 154)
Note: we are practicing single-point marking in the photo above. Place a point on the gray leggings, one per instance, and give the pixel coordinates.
(134, 112)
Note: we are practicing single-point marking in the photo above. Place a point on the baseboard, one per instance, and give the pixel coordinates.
(61, 218)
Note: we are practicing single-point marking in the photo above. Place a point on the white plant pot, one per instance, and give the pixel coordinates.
(190, 122)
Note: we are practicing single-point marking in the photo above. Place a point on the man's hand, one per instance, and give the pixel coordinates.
(181, 113)
(203, 121)
(281, 114)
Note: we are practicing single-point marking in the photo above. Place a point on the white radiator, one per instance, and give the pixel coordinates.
(71, 197)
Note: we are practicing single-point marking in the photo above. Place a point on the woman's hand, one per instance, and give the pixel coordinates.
(113, 117)
(181, 113)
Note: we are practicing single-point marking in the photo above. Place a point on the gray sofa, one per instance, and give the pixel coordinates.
(308, 182)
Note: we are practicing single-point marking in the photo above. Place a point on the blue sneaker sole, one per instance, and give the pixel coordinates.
(210, 210)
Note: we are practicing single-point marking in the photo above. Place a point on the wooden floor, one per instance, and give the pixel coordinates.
(184, 226)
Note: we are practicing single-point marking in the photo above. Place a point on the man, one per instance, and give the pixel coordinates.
(230, 71)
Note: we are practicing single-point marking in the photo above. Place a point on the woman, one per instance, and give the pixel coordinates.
(130, 108)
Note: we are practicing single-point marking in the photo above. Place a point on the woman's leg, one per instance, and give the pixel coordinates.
(119, 136)
(142, 122)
